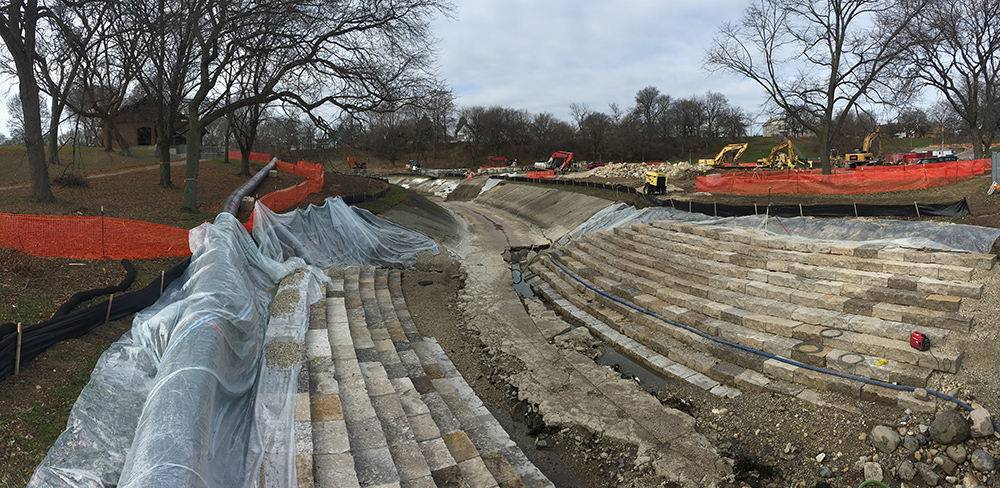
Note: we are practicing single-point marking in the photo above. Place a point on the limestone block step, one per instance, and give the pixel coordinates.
(734, 366)
(770, 316)
(842, 248)
(914, 292)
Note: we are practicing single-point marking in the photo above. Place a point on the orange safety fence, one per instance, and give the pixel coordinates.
(91, 237)
(863, 179)
(279, 200)
(541, 174)
(255, 157)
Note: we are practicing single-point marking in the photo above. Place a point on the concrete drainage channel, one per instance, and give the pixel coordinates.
(520, 258)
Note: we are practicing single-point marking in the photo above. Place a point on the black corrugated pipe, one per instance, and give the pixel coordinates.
(232, 203)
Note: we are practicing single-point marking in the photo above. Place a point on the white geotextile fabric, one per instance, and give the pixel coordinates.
(872, 232)
(175, 401)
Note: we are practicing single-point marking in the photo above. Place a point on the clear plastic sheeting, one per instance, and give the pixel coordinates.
(873, 232)
(335, 234)
(190, 396)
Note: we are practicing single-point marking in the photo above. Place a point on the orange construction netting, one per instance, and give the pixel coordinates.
(94, 237)
(279, 200)
(86, 237)
(864, 179)
(256, 157)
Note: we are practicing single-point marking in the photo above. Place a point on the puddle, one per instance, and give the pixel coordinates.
(520, 286)
(648, 380)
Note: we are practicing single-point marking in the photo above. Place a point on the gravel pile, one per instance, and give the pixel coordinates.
(638, 170)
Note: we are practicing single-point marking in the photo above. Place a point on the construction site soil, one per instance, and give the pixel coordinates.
(769, 440)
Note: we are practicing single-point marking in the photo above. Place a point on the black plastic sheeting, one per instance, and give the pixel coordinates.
(36, 338)
(957, 208)
(949, 209)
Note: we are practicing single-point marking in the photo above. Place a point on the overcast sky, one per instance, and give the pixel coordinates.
(542, 56)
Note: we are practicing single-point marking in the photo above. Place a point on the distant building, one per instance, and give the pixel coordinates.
(137, 124)
(775, 126)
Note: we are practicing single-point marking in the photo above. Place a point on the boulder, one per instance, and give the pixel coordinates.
(906, 471)
(926, 472)
(884, 438)
(873, 471)
(982, 461)
(949, 427)
(982, 424)
(957, 453)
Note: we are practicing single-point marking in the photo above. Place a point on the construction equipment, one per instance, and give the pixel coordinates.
(720, 159)
(864, 157)
(560, 161)
(498, 161)
(656, 183)
(413, 165)
(355, 165)
(780, 160)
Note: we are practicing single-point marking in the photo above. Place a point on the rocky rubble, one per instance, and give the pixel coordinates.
(638, 170)
(944, 452)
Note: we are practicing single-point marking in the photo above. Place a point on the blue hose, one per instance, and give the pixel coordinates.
(762, 353)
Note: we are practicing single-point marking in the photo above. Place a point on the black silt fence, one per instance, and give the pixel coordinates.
(36, 338)
(957, 208)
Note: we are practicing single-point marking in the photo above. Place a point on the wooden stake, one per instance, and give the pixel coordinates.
(800, 211)
(108, 315)
(17, 353)
(918, 209)
(715, 206)
(855, 209)
(162, 278)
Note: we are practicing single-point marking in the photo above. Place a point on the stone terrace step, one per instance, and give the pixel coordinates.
(749, 320)
(838, 248)
(498, 451)
(717, 361)
(801, 271)
(377, 414)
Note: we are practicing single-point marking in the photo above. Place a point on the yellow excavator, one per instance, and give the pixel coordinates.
(738, 148)
(864, 157)
(780, 160)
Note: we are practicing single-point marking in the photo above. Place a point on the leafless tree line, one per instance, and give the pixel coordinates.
(825, 62)
(209, 60)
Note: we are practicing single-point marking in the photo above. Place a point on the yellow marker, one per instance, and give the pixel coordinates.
(881, 362)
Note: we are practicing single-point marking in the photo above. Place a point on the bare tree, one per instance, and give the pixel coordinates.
(822, 57)
(244, 123)
(19, 30)
(649, 110)
(955, 52)
(352, 57)
(595, 128)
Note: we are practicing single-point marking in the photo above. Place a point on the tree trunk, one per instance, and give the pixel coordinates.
(57, 109)
(41, 189)
(244, 163)
(977, 142)
(190, 202)
(164, 133)
(109, 141)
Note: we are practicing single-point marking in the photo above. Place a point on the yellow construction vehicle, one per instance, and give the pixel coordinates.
(864, 157)
(780, 160)
(721, 157)
(656, 183)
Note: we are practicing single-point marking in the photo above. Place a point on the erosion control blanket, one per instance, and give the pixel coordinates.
(190, 396)
(874, 232)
